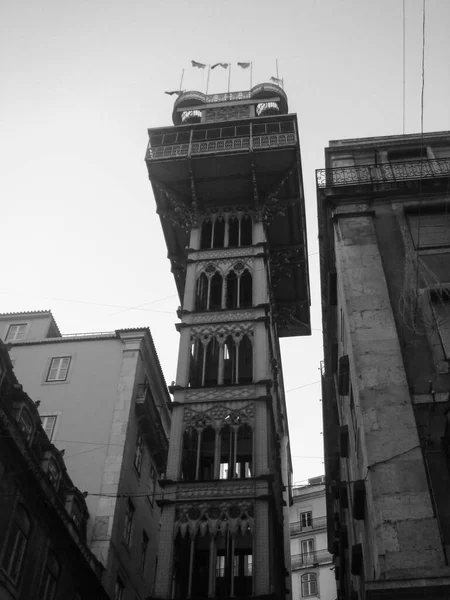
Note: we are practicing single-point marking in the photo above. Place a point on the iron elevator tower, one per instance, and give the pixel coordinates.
(228, 187)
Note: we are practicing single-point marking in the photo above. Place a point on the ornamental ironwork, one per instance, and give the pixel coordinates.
(383, 173)
(236, 144)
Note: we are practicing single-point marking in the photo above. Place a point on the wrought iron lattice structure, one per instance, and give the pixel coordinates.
(383, 173)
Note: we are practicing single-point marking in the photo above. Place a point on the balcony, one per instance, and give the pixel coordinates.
(299, 527)
(246, 137)
(310, 559)
(387, 173)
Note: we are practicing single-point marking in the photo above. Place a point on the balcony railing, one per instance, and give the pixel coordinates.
(383, 173)
(242, 138)
(309, 559)
(298, 526)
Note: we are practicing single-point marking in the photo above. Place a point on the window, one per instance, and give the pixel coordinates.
(306, 519)
(309, 584)
(16, 332)
(50, 577)
(58, 369)
(48, 424)
(16, 544)
(144, 547)
(152, 485)
(53, 472)
(26, 423)
(119, 589)
(308, 554)
(129, 517)
(138, 453)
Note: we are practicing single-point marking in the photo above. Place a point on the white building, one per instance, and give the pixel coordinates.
(103, 400)
(311, 563)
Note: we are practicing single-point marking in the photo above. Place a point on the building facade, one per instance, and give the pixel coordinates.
(311, 562)
(228, 188)
(43, 516)
(103, 400)
(384, 230)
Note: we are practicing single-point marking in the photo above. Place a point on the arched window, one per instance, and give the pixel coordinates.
(245, 290)
(207, 451)
(245, 363)
(233, 231)
(219, 233)
(53, 472)
(229, 361)
(232, 290)
(215, 294)
(244, 451)
(190, 449)
(202, 293)
(246, 231)
(211, 370)
(16, 545)
(309, 585)
(226, 453)
(206, 234)
(197, 365)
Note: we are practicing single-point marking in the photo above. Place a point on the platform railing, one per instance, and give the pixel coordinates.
(383, 173)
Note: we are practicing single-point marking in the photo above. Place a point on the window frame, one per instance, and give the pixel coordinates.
(59, 369)
(129, 521)
(307, 519)
(44, 418)
(21, 526)
(138, 454)
(15, 337)
(309, 583)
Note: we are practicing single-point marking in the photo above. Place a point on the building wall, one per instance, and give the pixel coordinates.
(386, 375)
(98, 425)
(310, 498)
(38, 324)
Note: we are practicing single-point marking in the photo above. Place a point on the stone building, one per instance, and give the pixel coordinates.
(43, 516)
(104, 401)
(311, 562)
(228, 188)
(384, 229)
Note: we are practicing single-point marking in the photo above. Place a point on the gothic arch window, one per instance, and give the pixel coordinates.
(228, 231)
(245, 362)
(236, 451)
(244, 451)
(206, 234)
(215, 294)
(211, 368)
(232, 290)
(202, 292)
(219, 233)
(190, 451)
(245, 289)
(207, 454)
(246, 231)
(229, 361)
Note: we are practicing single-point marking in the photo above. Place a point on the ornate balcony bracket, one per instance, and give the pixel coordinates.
(283, 261)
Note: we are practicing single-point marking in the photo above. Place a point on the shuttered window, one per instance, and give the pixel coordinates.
(430, 230)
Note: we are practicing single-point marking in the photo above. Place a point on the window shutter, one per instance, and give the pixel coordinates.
(344, 376)
(357, 560)
(359, 499)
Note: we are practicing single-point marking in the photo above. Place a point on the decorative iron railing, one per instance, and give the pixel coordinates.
(298, 526)
(236, 144)
(229, 96)
(383, 173)
(309, 559)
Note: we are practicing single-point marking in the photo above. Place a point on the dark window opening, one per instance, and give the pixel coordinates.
(215, 295)
(202, 293)
(211, 363)
(245, 292)
(232, 290)
(229, 361)
(246, 231)
(189, 460)
(245, 367)
(244, 451)
(207, 451)
(219, 233)
(206, 234)
(233, 231)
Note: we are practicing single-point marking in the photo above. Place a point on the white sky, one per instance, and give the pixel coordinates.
(80, 83)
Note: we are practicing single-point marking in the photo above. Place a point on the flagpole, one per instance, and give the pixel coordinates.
(251, 74)
(181, 81)
(276, 63)
(207, 80)
(229, 77)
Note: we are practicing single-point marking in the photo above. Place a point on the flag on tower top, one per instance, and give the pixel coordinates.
(173, 92)
(223, 65)
(244, 65)
(276, 80)
(194, 63)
